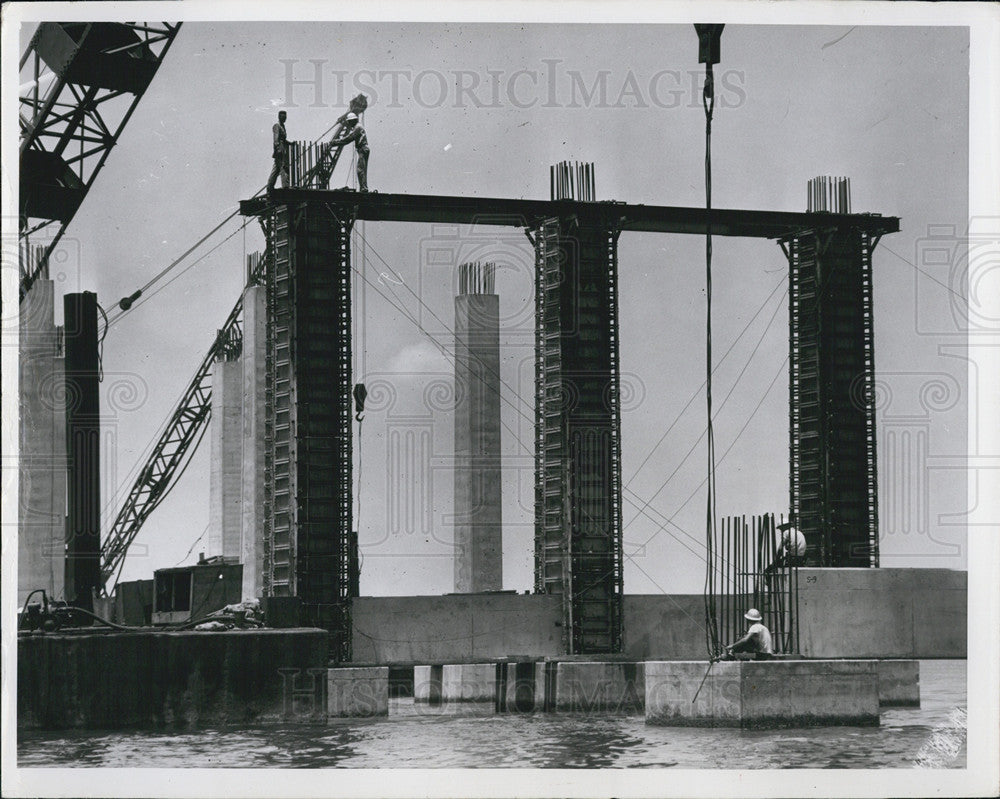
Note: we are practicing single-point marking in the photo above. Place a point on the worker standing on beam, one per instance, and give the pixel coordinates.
(279, 153)
(356, 133)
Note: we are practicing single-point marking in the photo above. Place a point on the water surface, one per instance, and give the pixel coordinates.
(472, 736)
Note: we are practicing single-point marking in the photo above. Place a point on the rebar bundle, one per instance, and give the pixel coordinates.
(572, 180)
(830, 194)
(747, 573)
(477, 278)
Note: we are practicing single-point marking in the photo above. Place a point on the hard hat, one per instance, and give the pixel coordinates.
(351, 117)
(786, 525)
(752, 615)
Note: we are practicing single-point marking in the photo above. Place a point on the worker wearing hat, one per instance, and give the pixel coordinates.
(757, 639)
(356, 133)
(791, 547)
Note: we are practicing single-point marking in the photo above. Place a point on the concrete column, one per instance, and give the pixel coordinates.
(42, 435)
(478, 537)
(83, 449)
(253, 363)
(225, 476)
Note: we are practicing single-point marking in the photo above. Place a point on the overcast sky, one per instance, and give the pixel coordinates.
(484, 110)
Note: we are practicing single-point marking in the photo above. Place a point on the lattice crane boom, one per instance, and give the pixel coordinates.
(180, 438)
(94, 74)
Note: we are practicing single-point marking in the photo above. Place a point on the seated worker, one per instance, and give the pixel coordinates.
(756, 641)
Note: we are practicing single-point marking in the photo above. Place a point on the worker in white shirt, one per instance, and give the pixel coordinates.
(791, 548)
(757, 640)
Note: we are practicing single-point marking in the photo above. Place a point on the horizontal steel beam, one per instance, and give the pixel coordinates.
(432, 208)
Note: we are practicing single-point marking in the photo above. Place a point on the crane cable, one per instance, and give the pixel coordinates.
(711, 625)
(128, 302)
(360, 392)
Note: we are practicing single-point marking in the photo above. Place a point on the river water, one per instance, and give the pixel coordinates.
(471, 736)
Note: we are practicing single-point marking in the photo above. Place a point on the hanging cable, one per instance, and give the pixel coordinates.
(708, 41)
(100, 346)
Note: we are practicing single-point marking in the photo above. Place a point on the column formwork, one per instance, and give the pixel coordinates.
(308, 457)
(578, 526)
(832, 457)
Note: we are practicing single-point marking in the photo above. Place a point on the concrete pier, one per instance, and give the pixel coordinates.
(253, 361)
(899, 683)
(357, 692)
(427, 682)
(478, 528)
(41, 524)
(225, 513)
(182, 680)
(762, 694)
(469, 682)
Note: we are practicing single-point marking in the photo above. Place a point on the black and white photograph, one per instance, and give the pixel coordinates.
(501, 399)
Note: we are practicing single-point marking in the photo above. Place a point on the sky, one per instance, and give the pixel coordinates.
(483, 110)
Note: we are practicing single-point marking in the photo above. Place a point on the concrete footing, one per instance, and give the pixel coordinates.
(358, 692)
(899, 683)
(469, 682)
(611, 687)
(427, 684)
(759, 694)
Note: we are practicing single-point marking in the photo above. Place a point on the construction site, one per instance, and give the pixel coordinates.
(276, 612)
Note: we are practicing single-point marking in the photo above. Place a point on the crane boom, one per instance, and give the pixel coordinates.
(69, 127)
(187, 424)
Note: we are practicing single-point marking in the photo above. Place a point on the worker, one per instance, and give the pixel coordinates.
(791, 547)
(279, 152)
(757, 639)
(356, 133)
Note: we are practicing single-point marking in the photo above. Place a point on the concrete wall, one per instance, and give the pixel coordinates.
(175, 679)
(225, 513)
(664, 627)
(887, 613)
(42, 435)
(253, 363)
(456, 628)
(843, 613)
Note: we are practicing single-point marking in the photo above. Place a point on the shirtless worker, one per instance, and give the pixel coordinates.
(356, 133)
